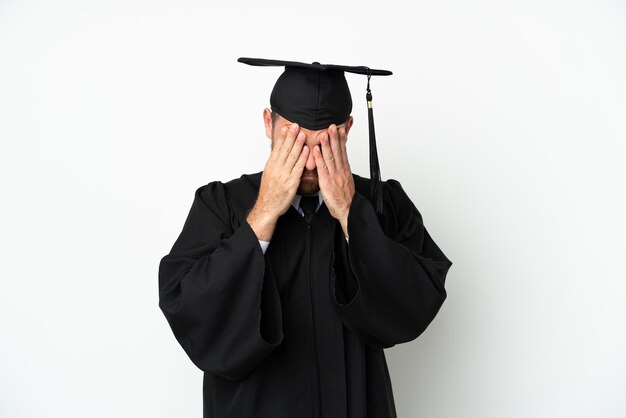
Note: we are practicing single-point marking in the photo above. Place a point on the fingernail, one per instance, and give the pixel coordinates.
(294, 127)
(283, 129)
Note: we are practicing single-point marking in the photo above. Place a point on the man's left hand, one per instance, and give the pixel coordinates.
(334, 174)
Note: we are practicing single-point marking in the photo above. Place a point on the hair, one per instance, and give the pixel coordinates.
(274, 119)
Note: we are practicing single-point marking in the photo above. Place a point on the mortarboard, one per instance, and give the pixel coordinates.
(316, 96)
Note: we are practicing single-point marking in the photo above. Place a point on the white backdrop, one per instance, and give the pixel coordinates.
(504, 121)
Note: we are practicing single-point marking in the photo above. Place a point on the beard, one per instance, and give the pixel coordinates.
(309, 183)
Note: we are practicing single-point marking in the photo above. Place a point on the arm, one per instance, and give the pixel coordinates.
(216, 292)
(388, 284)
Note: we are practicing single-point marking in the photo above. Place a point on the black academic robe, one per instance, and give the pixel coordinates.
(299, 331)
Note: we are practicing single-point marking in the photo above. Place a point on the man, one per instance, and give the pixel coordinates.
(286, 285)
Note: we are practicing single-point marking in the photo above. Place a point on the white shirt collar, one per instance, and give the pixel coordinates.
(296, 201)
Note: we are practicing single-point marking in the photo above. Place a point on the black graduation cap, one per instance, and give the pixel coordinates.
(316, 96)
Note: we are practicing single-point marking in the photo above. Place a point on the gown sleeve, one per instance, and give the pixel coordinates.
(387, 284)
(216, 292)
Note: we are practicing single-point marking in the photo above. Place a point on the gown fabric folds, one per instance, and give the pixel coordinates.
(299, 331)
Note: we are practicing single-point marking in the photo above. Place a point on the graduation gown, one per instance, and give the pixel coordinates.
(300, 330)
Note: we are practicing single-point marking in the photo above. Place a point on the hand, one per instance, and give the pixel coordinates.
(334, 173)
(280, 180)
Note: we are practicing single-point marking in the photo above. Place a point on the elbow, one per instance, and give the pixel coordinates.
(233, 374)
(415, 318)
(232, 364)
(168, 305)
(423, 314)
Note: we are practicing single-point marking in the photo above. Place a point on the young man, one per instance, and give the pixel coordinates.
(286, 285)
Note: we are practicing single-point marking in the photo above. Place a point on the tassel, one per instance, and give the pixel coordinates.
(377, 194)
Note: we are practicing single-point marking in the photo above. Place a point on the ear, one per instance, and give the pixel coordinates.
(349, 124)
(267, 121)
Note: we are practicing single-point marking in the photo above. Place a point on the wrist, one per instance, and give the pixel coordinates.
(262, 223)
(344, 225)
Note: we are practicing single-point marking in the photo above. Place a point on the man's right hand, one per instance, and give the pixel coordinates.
(280, 181)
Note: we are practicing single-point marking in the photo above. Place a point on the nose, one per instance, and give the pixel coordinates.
(312, 139)
(310, 161)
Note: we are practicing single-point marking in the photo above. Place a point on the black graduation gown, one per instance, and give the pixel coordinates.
(300, 330)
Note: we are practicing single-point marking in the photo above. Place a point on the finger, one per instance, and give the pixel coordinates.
(278, 143)
(327, 153)
(290, 138)
(322, 168)
(343, 139)
(296, 150)
(335, 139)
(298, 167)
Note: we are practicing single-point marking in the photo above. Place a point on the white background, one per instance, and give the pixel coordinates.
(504, 121)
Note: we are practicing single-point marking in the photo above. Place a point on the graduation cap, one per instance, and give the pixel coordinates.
(316, 96)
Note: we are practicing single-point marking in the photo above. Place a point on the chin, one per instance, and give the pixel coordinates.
(308, 187)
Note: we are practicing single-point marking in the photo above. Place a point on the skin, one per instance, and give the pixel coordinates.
(303, 161)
